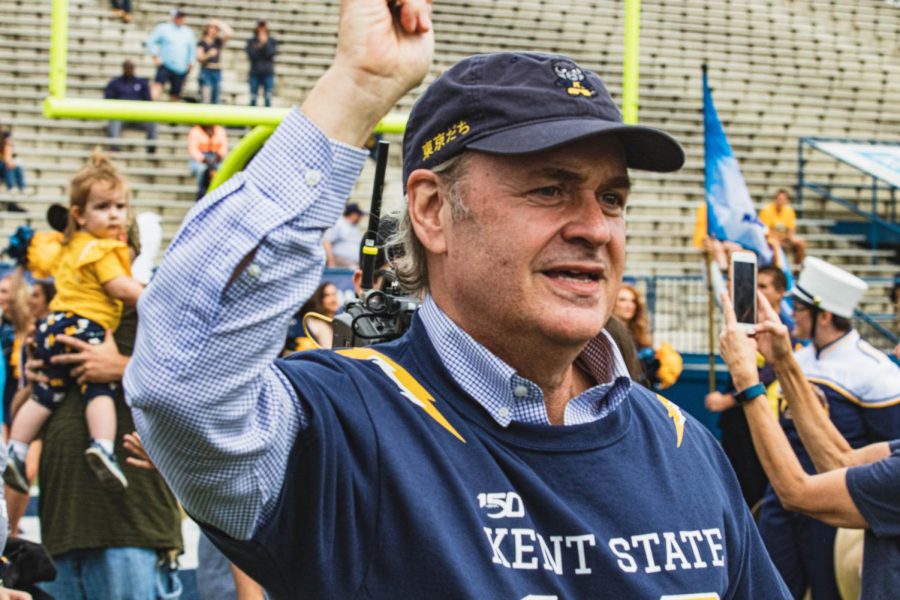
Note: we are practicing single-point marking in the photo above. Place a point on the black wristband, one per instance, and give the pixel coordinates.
(750, 393)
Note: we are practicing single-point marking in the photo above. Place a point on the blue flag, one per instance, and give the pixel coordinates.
(730, 215)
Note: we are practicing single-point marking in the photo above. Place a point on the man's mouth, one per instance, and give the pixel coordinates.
(574, 275)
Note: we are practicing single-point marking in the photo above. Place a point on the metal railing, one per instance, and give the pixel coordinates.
(881, 214)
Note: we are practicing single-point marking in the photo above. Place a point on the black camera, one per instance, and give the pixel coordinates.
(379, 314)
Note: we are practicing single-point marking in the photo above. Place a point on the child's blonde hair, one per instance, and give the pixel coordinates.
(99, 169)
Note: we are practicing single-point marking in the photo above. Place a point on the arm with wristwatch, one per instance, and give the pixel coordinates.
(824, 496)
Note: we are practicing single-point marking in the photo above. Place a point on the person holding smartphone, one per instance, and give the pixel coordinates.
(860, 387)
(854, 488)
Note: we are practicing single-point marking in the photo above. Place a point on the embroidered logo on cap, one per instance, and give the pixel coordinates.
(443, 138)
(572, 78)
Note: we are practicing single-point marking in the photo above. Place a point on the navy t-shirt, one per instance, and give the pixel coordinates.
(402, 486)
(875, 490)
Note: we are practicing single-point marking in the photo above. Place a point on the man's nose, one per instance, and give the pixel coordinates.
(587, 223)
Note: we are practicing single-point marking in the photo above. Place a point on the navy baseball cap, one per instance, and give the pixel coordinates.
(523, 102)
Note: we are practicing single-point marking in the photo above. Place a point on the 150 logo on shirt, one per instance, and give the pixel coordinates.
(508, 505)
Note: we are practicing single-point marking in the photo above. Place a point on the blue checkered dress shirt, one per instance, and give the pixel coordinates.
(217, 417)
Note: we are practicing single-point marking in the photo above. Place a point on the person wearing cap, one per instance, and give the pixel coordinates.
(129, 87)
(172, 46)
(861, 388)
(498, 449)
(851, 487)
(261, 50)
(341, 242)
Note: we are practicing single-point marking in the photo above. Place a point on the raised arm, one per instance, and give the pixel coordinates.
(825, 444)
(216, 416)
(823, 496)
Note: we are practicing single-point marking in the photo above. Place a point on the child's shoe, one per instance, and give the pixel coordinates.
(14, 475)
(105, 467)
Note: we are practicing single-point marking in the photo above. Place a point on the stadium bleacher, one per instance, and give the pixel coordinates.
(780, 69)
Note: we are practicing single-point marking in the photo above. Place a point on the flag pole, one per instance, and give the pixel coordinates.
(710, 295)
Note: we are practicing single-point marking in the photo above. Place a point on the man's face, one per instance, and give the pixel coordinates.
(178, 20)
(128, 69)
(781, 199)
(542, 250)
(802, 321)
(765, 284)
(354, 218)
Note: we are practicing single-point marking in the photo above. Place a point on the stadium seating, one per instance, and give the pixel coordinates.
(780, 69)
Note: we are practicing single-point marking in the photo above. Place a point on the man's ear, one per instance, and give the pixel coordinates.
(426, 200)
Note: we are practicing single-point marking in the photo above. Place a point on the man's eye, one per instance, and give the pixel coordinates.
(612, 199)
(550, 191)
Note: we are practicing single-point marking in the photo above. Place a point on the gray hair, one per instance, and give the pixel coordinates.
(410, 265)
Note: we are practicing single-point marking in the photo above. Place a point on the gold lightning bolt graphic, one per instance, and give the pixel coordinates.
(411, 389)
(677, 418)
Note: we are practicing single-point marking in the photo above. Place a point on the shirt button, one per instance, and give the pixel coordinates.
(312, 177)
(520, 391)
(253, 270)
(503, 412)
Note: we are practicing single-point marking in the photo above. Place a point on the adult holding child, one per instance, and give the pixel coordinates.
(500, 443)
(93, 281)
(105, 545)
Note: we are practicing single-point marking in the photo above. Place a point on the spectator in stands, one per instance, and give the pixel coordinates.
(855, 488)
(13, 174)
(662, 365)
(771, 283)
(341, 242)
(524, 248)
(129, 87)
(781, 219)
(261, 50)
(861, 388)
(207, 148)
(122, 9)
(172, 46)
(93, 279)
(209, 55)
(325, 301)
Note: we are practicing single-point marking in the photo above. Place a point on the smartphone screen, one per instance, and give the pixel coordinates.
(744, 286)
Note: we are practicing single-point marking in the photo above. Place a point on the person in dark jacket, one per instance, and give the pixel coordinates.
(129, 87)
(261, 50)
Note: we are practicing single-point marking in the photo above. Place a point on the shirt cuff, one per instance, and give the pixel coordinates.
(300, 156)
